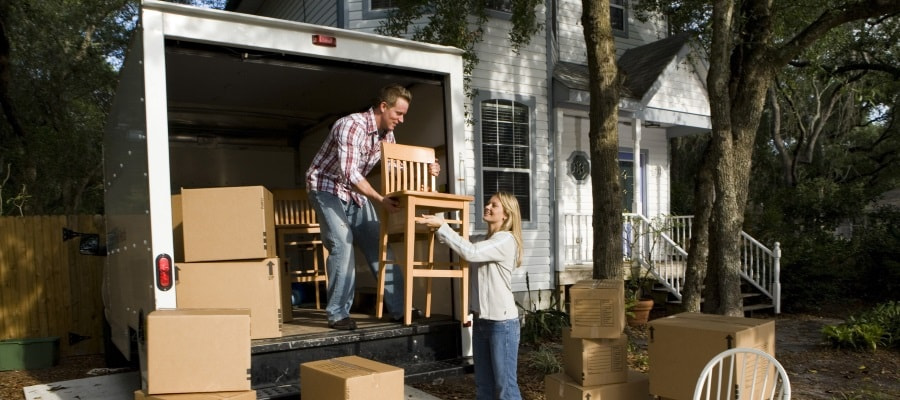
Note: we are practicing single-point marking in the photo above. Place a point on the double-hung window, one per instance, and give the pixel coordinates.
(506, 151)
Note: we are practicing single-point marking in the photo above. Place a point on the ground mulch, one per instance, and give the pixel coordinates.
(817, 371)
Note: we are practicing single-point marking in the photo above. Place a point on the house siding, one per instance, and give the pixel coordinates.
(319, 12)
(570, 32)
(502, 74)
(680, 89)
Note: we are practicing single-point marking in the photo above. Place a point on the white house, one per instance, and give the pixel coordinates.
(529, 133)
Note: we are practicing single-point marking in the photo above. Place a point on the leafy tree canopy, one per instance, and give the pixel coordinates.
(57, 79)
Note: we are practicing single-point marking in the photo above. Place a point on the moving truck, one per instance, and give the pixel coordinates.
(210, 98)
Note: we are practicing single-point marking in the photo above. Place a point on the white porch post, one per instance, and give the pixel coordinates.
(636, 134)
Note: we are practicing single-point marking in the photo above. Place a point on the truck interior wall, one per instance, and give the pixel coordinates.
(198, 166)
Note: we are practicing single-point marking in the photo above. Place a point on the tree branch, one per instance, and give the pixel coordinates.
(839, 14)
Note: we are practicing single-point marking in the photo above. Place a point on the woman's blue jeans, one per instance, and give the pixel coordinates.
(343, 225)
(495, 348)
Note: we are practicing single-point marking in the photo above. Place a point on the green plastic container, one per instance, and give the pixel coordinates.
(32, 353)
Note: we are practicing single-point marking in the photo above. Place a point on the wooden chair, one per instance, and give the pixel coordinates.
(743, 374)
(297, 229)
(405, 177)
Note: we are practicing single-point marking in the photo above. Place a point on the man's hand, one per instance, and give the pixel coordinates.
(390, 204)
(434, 168)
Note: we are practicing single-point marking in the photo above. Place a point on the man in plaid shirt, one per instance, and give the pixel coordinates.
(342, 198)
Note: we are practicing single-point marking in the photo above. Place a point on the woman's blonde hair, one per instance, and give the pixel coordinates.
(513, 222)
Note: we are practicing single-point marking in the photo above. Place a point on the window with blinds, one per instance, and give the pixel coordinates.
(506, 151)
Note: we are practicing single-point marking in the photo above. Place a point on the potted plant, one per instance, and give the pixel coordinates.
(638, 301)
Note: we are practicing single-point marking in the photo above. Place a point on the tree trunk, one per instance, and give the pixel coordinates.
(604, 139)
(738, 79)
(743, 57)
(704, 196)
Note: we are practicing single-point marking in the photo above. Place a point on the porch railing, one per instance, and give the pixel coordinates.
(660, 245)
(652, 244)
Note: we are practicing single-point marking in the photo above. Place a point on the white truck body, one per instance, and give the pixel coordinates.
(211, 98)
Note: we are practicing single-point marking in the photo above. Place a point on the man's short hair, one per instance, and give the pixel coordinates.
(390, 93)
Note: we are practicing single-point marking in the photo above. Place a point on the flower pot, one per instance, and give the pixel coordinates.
(640, 312)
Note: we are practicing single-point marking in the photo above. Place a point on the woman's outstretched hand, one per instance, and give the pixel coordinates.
(432, 221)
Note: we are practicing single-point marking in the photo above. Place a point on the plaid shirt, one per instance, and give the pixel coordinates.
(349, 153)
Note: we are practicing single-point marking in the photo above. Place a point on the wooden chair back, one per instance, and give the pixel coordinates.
(298, 234)
(406, 168)
(292, 209)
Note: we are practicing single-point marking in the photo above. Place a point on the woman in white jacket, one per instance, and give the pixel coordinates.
(495, 336)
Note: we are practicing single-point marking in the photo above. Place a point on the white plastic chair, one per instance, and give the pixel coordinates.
(743, 374)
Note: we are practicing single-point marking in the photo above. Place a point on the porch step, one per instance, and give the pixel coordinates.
(756, 307)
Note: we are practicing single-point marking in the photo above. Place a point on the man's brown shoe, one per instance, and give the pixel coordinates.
(345, 324)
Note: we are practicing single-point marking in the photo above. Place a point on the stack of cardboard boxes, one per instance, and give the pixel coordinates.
(228, 293)
(595, 348)
(228, 257)
(682, 344)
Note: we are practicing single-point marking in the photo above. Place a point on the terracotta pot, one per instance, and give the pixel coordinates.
(640, 312)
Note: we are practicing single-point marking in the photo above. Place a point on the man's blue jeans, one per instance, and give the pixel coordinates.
(343, 225)
(495, 348)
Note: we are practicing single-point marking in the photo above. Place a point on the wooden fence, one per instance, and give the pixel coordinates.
(47, 288)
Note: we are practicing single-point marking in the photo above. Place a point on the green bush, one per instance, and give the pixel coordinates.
(876, 254)
(541, 325)
(820, 269)
(869, 330)
(545, 359)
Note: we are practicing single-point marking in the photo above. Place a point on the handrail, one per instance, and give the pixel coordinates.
(661, 250)
(655, 250)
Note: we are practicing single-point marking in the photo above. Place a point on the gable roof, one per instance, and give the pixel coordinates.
(640, 65)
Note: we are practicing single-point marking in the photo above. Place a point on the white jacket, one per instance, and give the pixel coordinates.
(491, 262)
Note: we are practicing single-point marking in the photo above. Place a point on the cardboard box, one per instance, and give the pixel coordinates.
(560, 387)
(243, 395)
(591, 362)
(200, 350)
(228, 223)
(287, 306)
(254, 285)
(350, 378)
(177, 229)
(682, 344)
(597, 309)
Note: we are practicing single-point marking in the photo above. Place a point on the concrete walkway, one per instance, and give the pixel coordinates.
(122, 386)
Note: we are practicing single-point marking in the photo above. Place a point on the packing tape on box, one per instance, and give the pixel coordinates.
(352, 367)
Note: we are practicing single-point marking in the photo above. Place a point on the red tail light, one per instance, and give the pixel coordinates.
(165, 272)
